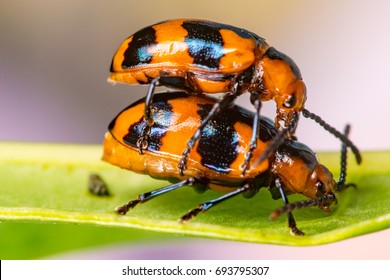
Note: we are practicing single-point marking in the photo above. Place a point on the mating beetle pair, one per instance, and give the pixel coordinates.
(201, 56)
(228, 149)
(215, 161)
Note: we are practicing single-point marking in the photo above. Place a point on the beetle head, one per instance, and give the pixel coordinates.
(283, 82)
(298, 168)
(320, 182)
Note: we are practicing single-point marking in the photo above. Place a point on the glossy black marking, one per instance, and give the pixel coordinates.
(137, 53)
(244, 79)
(218, 144)
(239, 31)
(205, 44)
(162, 120)
(142, 82)
(320, 189)
(272, 53)
(112, 66)
(112, 123)
(267, 128)
(175, 82)
(293, 149)
(160, 97)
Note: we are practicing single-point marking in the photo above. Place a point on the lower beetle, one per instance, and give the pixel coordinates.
(214, 163)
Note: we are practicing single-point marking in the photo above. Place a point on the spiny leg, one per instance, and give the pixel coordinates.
(226, 101)
(149, 195)
(290, 218)
(143, 140)
(278, 140)
(203, 207)
(335, 132)
(169, 81)
(255, 132)
(324, 200)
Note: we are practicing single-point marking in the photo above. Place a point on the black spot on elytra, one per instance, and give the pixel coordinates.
(205, 44)
(267, 128)
(162, 118)
(218, 144)
(294, 149)
(137, 53)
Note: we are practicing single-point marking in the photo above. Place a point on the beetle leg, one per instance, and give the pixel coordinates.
(149, 195)
(169, 81)
(149, 99)
(335, 132)
(323, 202)
(278, 140)
(203, 207)
(255, 132)
(143, 140)
(226, 101)
(290, 218)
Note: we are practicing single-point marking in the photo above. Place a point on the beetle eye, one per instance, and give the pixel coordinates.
(320, 188)
(290, 102)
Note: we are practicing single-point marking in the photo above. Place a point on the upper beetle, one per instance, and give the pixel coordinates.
(201, 56)
(215, 161)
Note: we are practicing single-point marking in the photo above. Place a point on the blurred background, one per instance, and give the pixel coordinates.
(55, 58)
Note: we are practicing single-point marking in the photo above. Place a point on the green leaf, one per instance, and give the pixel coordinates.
(47, 183)
(31, 240)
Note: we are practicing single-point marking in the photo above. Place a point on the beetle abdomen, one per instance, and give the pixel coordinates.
(177, 47)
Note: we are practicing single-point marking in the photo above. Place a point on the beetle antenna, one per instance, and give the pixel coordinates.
(307, 114)
(343, 162)
(341, 185)
(324, 200)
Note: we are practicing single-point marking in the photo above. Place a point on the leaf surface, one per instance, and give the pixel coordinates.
(47, 183)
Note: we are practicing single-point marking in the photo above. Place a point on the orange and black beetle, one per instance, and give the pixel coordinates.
(201, 56)
(209, 57)
(215, 160)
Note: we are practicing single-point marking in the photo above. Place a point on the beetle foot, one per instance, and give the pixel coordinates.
(142, 144)
(122, 210)
(143, 140)
(190, 214)
(296, 231)
(182, 165)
